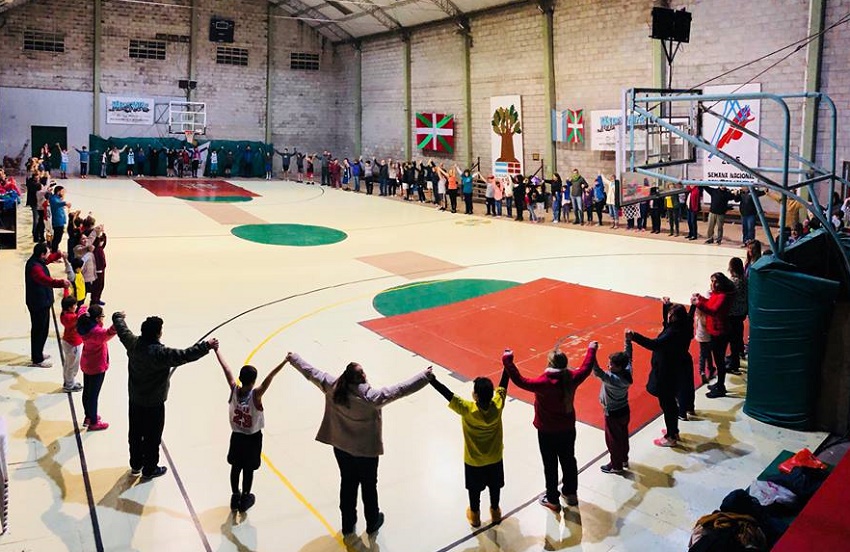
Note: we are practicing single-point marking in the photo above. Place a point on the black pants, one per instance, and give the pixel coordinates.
(673, 220)
(114, 167)
(558, 448)
(685, 391)
(326, 177)
(453, 200)
(58, 231)
(146, 425)
(667, 401)
(718, 353)
(39, 328)
(195, 164)
(354, 472)
(736, 341)
(655, 215)
(91, 393)
(467, 199)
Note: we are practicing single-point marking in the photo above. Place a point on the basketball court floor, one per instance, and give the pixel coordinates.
(397, 287)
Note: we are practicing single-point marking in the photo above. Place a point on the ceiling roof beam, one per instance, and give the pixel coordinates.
(298, 8)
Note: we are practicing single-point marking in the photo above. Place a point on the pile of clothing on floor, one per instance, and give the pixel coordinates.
(754, 519)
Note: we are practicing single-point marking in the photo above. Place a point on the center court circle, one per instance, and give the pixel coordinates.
(297, 235)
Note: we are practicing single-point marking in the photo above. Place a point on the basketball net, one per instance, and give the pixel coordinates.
(190, 136)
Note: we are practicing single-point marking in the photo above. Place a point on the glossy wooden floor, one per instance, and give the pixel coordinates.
(172, 258)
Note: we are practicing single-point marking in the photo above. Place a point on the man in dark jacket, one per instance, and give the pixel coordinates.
(720, 198)
(149, 369)
(39, 297)
(748, 213)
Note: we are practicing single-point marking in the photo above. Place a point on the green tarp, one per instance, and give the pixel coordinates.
(790, 313)
(257, 167)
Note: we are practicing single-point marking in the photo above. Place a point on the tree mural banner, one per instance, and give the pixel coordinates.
(506, 127)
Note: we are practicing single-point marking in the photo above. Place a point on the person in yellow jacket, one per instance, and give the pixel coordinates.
(481, 419)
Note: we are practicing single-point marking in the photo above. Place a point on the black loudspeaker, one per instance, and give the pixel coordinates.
(221, 30)
(671, 25)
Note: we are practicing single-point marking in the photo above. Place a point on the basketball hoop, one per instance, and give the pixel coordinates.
(190, 136)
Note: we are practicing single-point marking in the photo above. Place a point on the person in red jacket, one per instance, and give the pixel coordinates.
(716, 309)
(94, 362)
(693, 204)
(555, 420)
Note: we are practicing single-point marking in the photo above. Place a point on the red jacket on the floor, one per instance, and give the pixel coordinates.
(553, 393)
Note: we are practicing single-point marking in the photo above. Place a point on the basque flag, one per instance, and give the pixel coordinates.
(435, 132)
(575, 126)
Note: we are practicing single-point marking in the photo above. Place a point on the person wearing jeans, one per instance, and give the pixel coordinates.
(352, 426)
(748, 213)
(577, 186)
(694, 193)
(555, 420)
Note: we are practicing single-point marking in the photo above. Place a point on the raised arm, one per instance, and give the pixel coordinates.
(581, 373)
(505, 380)
(322, 380)
(442, 389)
(529, 384)
(124, 334)
(268, 381)
(178, 357)
(386, 395)
(228, 374)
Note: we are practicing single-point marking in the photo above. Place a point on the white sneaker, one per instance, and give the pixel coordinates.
(42, 364)
(73, 388)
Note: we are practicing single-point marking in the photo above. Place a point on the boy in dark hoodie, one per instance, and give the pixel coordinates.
(614, 396)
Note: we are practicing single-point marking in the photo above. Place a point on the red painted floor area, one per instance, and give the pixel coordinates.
(192, 187)
(469, 337)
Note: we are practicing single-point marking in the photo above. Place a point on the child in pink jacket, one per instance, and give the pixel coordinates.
(94, 362)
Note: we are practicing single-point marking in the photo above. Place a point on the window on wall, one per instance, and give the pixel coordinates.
(226, 55)
(301, 61)
(40, 41)
(147, 49)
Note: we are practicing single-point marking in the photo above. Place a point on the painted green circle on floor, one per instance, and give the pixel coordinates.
(426, 295)
(297, 235)
(216, 199)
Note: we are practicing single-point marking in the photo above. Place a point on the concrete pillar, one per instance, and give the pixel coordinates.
(193, 46)
(95, 85)
(467, 97)
(358, 99)
(547, 20)
(408, 115)
(269, 72)
(814, 58)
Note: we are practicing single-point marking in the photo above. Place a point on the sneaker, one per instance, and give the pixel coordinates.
(572, 499)
(42, 364)
(74, 388)
(246, 501)
(496, 515)
(473, 517)
(718, 242)
(45, 357)
(98, 426)
(234, 499)
(607, 468)
(683, 417)
(135, 472)
(716, 393)
(665, 442)
(101, 303)
(157, 472)
(374, 529)
(549, 505)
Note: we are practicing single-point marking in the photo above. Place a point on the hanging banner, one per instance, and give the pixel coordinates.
(604, 134)
(568, 126)
(435, 132)
(726, 137)
(506, 137)
(129, 111)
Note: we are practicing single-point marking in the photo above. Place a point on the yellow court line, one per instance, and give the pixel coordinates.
(298, 496)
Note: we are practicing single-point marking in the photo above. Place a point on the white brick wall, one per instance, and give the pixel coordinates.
(383, 98)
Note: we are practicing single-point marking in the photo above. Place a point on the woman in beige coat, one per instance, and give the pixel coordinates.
(352, 426)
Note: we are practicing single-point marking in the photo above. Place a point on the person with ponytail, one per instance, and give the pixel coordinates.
(555, 420)
(352, 426)
(94, 362)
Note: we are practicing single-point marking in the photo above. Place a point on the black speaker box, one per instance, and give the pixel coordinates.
(671, 25)
(221, 30)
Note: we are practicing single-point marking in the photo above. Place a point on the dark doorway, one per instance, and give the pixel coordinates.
(49, 135)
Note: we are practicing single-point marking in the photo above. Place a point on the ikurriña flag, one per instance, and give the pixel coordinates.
(435, 132)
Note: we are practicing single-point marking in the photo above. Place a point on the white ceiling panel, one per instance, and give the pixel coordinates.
(417, 13)
(363, 26)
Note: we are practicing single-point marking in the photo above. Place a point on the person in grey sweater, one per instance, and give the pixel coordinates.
(614, 396)
(352, 425)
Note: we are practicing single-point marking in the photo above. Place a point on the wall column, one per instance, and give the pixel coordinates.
(193, 46)
(95, 85)
(548, 10)
(408, 140)
(814, 59)
(358, 99)
(269, 72)
(466, 36)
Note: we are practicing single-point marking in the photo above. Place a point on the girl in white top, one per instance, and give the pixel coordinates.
(611, 200)
(245, 413)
